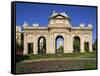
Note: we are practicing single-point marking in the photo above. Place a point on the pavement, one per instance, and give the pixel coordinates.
(49, 59)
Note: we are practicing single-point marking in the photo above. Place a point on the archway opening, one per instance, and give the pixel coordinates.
(59, 44)
(41, 45)
(76, 44)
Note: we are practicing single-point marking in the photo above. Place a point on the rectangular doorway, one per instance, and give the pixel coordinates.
(30, 48)
(86, 46)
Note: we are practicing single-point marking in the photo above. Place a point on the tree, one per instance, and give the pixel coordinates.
(95, 45)
(60, 49)
(18, 48)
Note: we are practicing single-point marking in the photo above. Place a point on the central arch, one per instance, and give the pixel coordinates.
(42, 45)
(59, 44)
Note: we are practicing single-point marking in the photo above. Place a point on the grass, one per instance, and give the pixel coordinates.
(55, 65)
(55, 56)
(89, 66)
(73, 64)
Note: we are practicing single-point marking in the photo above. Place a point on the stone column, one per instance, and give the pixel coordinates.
(25, 45)
(53, 44)
(82, 43)
(65, 46)
(70, 42)
(48, 44)
(35, 44)
(90, 44)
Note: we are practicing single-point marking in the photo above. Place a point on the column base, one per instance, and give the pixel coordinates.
(82, 51)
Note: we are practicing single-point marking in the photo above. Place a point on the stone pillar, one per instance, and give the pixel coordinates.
(53, 44)
(82, 43)
(25, 44)
(90, 44)
(65, 46)
(48, 44)
(35, 44)
(68, 44)
(70, 41)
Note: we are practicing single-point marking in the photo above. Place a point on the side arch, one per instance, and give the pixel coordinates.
(41, 45)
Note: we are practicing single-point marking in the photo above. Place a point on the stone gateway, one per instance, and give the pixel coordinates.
(38, 39)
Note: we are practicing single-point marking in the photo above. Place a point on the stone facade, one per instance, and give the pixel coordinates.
(59, 25)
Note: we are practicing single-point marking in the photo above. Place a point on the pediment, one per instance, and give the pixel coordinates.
(59, 16)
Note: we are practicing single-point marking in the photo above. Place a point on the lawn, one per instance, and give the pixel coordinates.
(55, 65)
(55, 62)
(89, 65)
(56, 56)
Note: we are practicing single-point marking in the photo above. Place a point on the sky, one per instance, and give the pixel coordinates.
(60, 42)
(39, 14)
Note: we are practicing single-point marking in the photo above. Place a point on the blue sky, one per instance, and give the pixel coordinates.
(37, 13)
(60, 42)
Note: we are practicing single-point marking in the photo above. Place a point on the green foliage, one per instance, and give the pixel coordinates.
(55, 56)
(89, 66)
(60, 49)
(95, 45)
(18, 46)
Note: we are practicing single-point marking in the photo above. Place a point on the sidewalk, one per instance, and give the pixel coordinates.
(50, 59)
